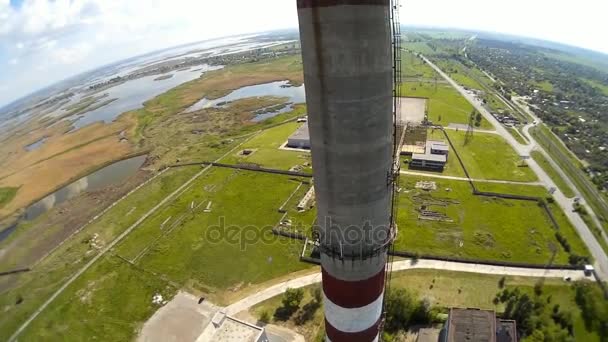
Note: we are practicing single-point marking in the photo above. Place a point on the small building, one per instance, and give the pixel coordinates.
(476, 325)
(438, 147)
(428, 161)
(300, 138)
(434, 158)
(230, 329)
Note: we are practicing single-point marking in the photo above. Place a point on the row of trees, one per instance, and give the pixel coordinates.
(537, 318)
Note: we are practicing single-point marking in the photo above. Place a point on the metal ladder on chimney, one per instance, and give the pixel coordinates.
(396, 45)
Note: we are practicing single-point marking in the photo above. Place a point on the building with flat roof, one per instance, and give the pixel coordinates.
(300, 138)
(476, 325)
(230, 329)
(437, 147)
(434, 157)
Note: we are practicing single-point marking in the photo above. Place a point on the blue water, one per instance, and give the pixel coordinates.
(280, 89)
(35, 145)
(132, 95)
(110, 175)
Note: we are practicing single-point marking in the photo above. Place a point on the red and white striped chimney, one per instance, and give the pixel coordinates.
(346, 53)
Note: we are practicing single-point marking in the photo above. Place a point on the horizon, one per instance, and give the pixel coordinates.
(64, 39)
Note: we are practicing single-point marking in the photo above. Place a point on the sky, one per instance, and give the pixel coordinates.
(45, 41)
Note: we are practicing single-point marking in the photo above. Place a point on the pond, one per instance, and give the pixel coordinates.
(36, 145)
(279, 89)
(132, 94)
(110, 175)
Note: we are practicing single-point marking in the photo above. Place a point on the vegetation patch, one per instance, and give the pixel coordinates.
(425, 296)
(7, 194)
(557, 179)
(483, 228)
(445, 104)
(267, 152)
(489, 156)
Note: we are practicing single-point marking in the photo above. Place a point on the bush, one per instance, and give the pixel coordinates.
(402, 310)
(501, 282)
(563, 241)
(264, 317)
(578, 260)
(538, 288)
(292, 298)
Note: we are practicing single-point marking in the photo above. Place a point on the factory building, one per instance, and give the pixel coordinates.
(434, 158)
(300, 138)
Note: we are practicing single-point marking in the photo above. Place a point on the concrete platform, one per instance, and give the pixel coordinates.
(182, 319)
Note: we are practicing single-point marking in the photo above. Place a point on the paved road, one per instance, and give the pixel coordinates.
(403, 265)
(562, 174)
(413, 173)
(601, 260)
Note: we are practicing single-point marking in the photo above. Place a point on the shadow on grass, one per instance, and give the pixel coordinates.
(307, 313)
(284, 313)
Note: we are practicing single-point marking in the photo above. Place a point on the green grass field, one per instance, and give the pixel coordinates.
(601, 87)
(35, 287)
(457, 72)
(488, 156)
(544, 85)
(418, 47)
(414, 67)
(109, 302)
(559, 181)
(186, 252)
(266, 149)
(515, 133)
(482, 227)
(445, 104)
(247, 203)
(7, 194)
(572, 167)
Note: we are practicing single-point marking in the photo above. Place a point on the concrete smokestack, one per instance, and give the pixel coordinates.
(346, 52)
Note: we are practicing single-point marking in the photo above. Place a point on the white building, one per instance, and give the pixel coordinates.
(300, 138)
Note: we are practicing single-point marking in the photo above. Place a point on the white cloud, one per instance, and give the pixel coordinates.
(60, 38)
(71, 55)
(13, 61)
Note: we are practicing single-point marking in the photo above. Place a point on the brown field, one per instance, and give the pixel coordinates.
(158, 127)
(61, 159)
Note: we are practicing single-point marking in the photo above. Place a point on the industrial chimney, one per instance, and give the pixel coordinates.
(346, 52)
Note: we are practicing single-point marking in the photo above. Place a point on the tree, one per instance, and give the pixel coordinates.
(402, 310)
(264, 317)
(292, 298)
(399, 309)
